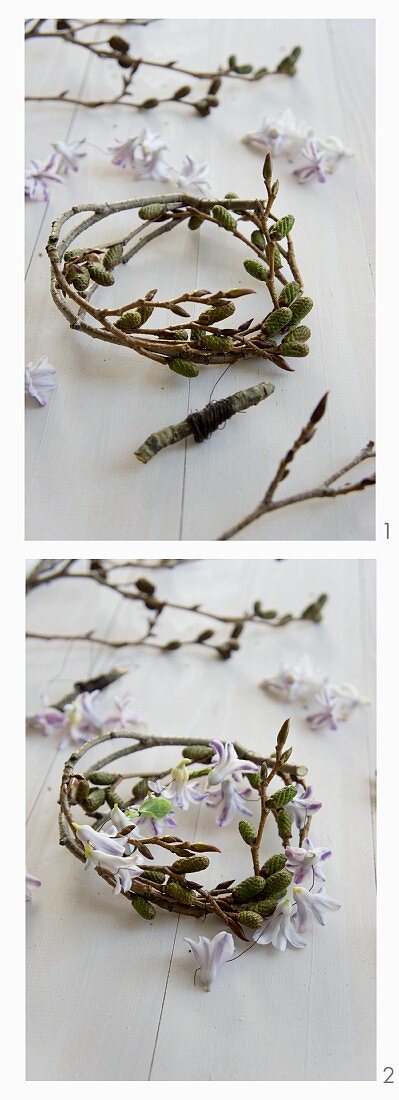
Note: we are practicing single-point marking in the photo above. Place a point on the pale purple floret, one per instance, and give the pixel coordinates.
(328, 714)
(305, 862)
(230, 798)
(38, 176)
(30, 881)
(314, 156)
(302, 806)
(226, 763)
(69, 155)
(39, 378)
(311, 905)
(279, 929)
(194, 176)
(211, 954)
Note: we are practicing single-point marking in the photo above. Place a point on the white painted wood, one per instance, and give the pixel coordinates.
(82, 478)
(306, 1015)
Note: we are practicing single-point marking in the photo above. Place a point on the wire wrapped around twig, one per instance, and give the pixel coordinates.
(203, 423)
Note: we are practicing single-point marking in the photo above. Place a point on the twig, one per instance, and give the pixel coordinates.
(117, 49)
(202, 424)
(268, 504)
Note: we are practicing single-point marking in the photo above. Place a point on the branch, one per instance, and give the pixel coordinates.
(268, 504)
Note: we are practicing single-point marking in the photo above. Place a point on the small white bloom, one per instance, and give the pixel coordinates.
(298, 681)
(334, 151)
(305, 862)
(144, 154)
(39, 379)
(280, 135)
(211, 954)
(124, 868)
(69, 155)
(98, 840)
(311, 905)
(30, 881)
(279, 929)
(226, 763)
(194, 176)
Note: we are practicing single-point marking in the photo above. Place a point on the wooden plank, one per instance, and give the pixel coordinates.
(82, 478)
(85, 947)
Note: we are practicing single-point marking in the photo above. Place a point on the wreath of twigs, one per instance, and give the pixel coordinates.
(170, 886)
(118, 49)
(185, 347)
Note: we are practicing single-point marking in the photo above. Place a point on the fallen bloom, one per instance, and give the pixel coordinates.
(211, 954)
(194, 176)
(30, 881)
(280, 928)
(38, 176)
(311, 905)
(69, 155)
(39, 378)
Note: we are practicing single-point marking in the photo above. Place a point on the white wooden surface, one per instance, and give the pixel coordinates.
(82, 479)
(111, 997)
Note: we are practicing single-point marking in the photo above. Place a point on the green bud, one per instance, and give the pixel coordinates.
(100, 275)
(145, 310)
(273, 864)
(284, 825)
(219, 344)
(153, 210)
(291, 348)
(282, 797)
(298, 335)
(254, 780)
(181, 893)
(144, 908)
(277, 258)
(289, 293)
(249, 888)
(103, 779)
(276, 321)
(113, 798)
(248, 832)
(190, 865)
(244, 70)
(81, 280)
(195, 221)
(140, 789)
(300, 309)
(258, 239)
(81, 791)
(74, 254)
(129, 322)
(217, 313)
(197, 752)
(257, 270)
(250, 918)
(94, 800)
(281, 228)
(153, 876)
(178, 334)
(267, 906)
(184, 367)
(312, 612)
(279, 881)
(113, 256)
(224, 217)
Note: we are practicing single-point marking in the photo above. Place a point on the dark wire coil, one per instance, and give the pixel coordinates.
(207, 420)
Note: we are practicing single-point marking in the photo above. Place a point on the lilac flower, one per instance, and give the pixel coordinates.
(211, 954)
(69, 155)
(125, 715)
(301, 806)
(295, 681)
(83, 722)
(348, 698)
(333, 151)
(311, 905)
(279, 929)
(181, 790)
(98, 840)
(30, 881)
(144, 154)
(124, 868)
(281, 135)
(315, 165)
(50, 720)
(328, 715)
(194, 176)
(37, 177)
(39, 378)
(230, 799)
(226, 763)
(305, 862)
